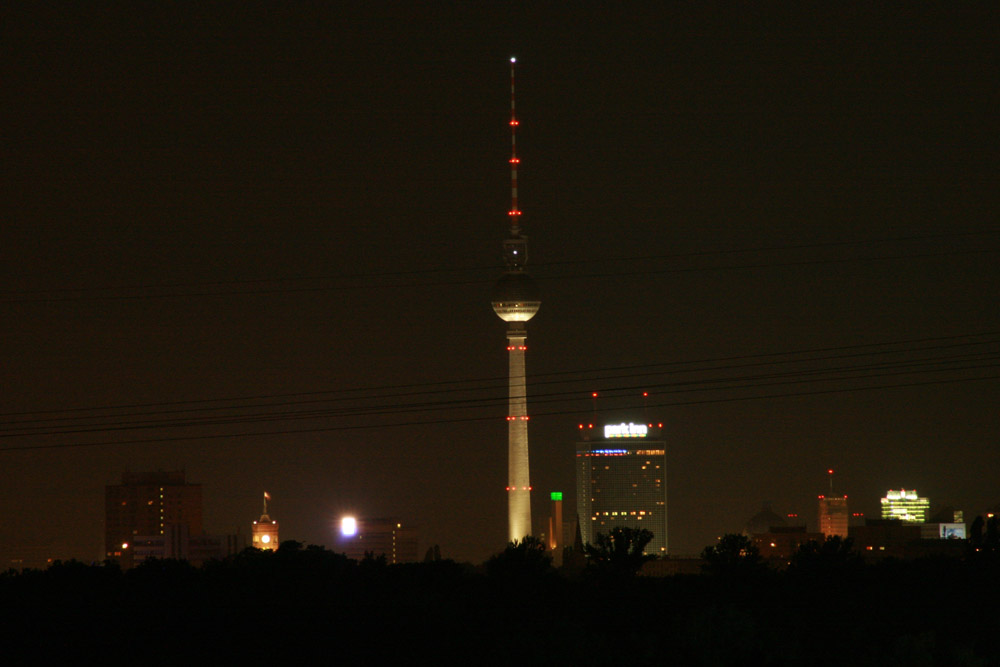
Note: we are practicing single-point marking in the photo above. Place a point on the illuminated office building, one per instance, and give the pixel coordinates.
(146, 504)
(621, 481)
(905, 505)
(833, 516)
(265, 530)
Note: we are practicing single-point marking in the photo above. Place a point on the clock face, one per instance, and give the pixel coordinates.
(266, 539)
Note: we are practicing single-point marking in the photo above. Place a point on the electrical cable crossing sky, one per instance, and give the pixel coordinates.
(515, 301)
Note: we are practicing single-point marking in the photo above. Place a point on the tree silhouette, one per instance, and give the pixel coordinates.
(984, 538)
(524, 559)
(735, 554)
(832, 556)
(620, 551)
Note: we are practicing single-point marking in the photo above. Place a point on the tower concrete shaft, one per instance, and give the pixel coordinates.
(518, 482)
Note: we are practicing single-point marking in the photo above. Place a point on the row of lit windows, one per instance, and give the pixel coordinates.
(624, 513)
(608, 480)
(622, 452)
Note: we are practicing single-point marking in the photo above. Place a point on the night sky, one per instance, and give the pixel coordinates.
(258, 243)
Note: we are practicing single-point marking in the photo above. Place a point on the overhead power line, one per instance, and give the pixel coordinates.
(593, 374)
(455, 420)
(855, 368)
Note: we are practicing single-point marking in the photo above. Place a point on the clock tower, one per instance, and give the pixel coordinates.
(265, 531)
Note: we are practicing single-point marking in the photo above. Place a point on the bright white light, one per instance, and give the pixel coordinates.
(265, 539)
(623, 430)
(348, 526)
(513, 59)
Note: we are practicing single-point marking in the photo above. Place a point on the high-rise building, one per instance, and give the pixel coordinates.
(621, 480)
(146, 503)
(378, 537)
(833, 516)
(905, 505)
(265, 531)
(515, 301)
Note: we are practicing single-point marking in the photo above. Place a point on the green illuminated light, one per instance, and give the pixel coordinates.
(557, 495)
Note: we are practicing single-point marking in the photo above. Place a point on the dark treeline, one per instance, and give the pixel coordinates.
(305, 603)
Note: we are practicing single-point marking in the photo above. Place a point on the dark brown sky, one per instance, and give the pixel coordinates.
(206, 205)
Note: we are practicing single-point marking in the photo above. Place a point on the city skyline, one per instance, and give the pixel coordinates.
(259, 246)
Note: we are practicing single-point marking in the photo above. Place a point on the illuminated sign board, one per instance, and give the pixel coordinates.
(556, 495)
(624, 430)
(952, 531)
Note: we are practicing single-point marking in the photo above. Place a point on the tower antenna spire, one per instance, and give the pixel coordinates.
(514, 212)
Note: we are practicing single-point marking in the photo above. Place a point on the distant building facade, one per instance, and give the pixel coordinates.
(893, 538)
(943, 531)
(380, 537)
(906, 506)
(176, 542)
(764, 521)
(148, 504)
(781, 542)
(621, 481)
(833, 516)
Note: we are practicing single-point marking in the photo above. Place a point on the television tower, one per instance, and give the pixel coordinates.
(515, 301)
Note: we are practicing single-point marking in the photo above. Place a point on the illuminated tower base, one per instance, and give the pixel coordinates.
(518, 482)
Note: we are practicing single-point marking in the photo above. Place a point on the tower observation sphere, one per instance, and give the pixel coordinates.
(515, 301)
(515, 297)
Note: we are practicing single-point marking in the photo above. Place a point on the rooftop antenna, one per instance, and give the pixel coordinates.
(514, 213)
(829, 473)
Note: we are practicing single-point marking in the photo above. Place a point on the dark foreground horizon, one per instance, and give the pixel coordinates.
(306, 603)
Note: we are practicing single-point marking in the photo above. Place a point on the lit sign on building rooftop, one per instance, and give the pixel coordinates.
(624, 430)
